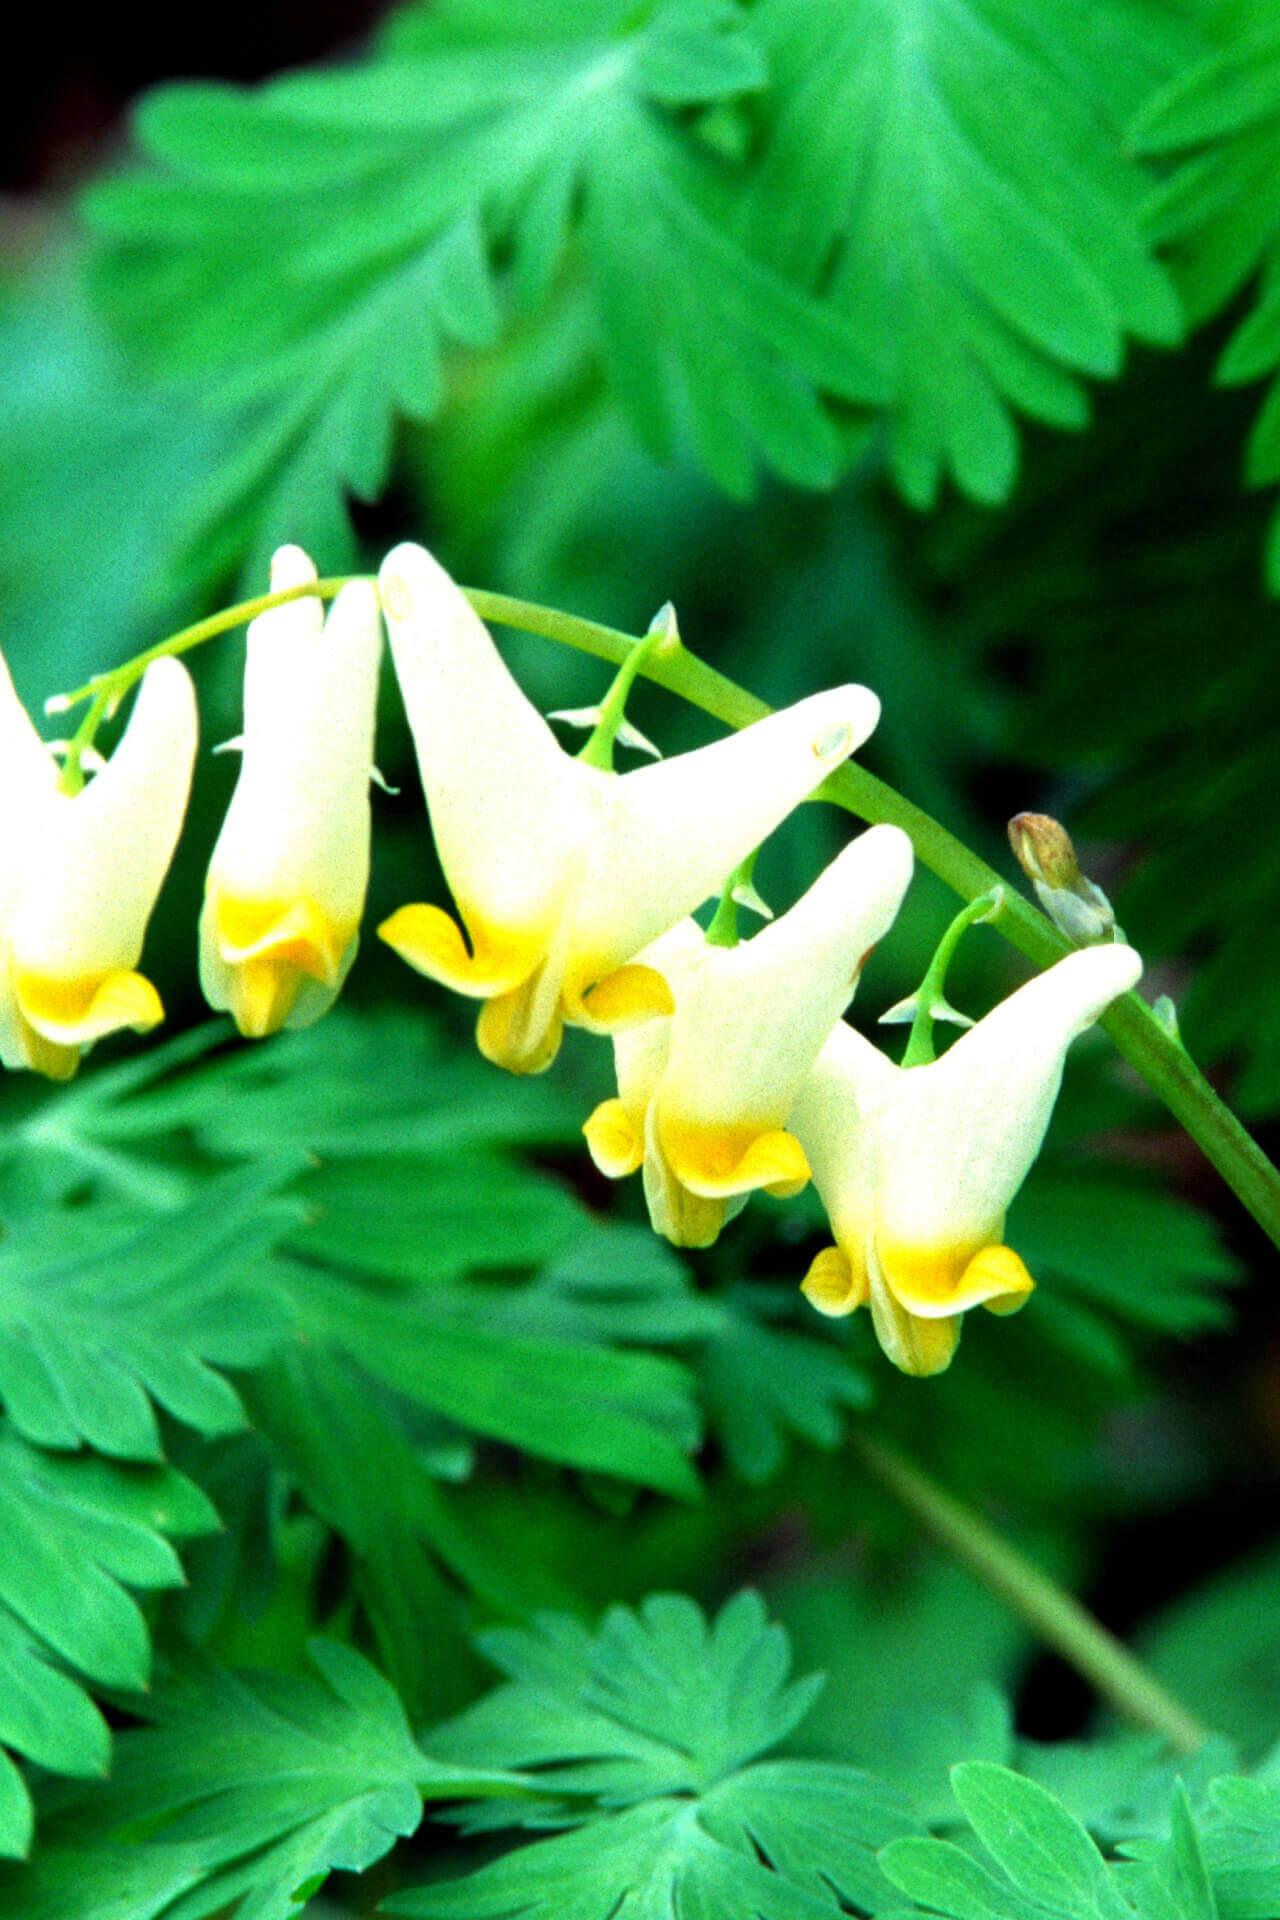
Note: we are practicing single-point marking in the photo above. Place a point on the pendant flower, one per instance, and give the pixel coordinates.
(704, 1097)
(562, 872)
(289, 874)
(80, 873)
(917, 1166)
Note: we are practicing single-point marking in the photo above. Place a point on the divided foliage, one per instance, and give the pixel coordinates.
(241, 1796)
(786, 216)
(665, 1721)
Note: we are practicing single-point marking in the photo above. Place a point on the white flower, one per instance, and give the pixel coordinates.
(79, 875)
(705, 1096)
(561, 872)
(917, 1166)
(288, 878)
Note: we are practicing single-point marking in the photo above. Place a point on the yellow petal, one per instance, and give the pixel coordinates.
(936, 1282)
(516, 1033)
(832, 1286)
(433, 943)
(623, 998)
(614, 1144)
(916, 1346)
(1002, 1268)
(718, 1162)
(74, 1013)
(296, 934)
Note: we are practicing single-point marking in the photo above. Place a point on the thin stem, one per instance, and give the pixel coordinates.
(1059, 1620)
(723, 930)
(119, 679)
(919, 1050)
(1162, 1061)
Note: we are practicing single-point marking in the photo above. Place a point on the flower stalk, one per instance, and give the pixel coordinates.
(1052, 1614)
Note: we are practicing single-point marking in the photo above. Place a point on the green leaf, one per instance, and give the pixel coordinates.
(1218, 123)
(1116, 1239)
(305, 256)
(101, 1315)
(1242, 1848)
(79, 1533)
(764, 1385)
(1171, 1878)
(949, 1881)
(245, 1793)
(986, 258)
(664, 1718)
(1219, 1651)
(1045, 1852)
(569, 1400)
(659, 1701)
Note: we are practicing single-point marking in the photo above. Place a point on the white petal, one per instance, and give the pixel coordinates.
(93, 872)
(508, 806)
(835, 1119)
(959, 1135)
(670, 835)
(298, 823)
(750, 1019)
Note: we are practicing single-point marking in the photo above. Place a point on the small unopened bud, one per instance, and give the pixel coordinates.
(1077, 905)
(665, 625)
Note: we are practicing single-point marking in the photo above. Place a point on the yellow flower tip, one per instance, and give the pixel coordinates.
(718, 1162)
(71, 1014)
(511, 1033)
(297, 935)
(432, 943)
(691, 1219)
(934, 1282)
(612, 1141)
(832, 1286)
(261, 995)
(624, 998)
(922, 1348)
(1002, 1278)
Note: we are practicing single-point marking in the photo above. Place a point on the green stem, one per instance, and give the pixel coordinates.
(723, 930)
(1059, 1620)
(919, 1049)
(598, 751)
(1162, 1061)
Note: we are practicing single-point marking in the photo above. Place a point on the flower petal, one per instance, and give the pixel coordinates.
(509, 808)
(682, 826)
(958, 1137)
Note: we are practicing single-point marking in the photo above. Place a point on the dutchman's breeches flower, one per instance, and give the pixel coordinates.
(79, 875)
(705, 1095)
(561, 872)
(288, 878)
(917, 1166)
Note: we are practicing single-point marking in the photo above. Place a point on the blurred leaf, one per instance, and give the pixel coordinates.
(1219, 1651)
(1220, 121)
(306, 254)
(764, 1385)
(1242, 1847)
(986, 257)
(78, 1533)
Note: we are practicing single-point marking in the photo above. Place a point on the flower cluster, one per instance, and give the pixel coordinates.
(574, 888)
